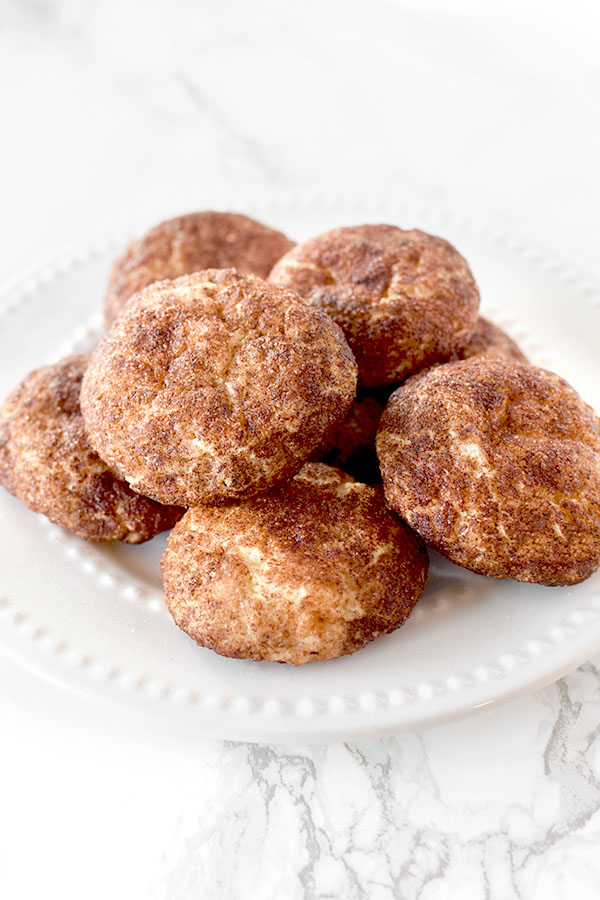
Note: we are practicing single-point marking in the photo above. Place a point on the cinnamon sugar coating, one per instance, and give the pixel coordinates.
(186, 244)
(47, 462)
(497, 465)
(215, 386)
(404, 299)
(311, 571)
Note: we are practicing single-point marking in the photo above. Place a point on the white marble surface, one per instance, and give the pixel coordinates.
(118, 111)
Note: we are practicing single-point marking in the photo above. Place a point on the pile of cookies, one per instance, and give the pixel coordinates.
(306, 418)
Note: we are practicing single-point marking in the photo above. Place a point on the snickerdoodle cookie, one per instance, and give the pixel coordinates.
(311, 571)
(47, 462)
(215, 386)
(497, 465)
(203, 240)
(404, 299)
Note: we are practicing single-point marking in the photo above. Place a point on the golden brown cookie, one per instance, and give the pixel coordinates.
(47, 462)
(497, 465)
(215, 386)
(351, 444)
(404, 299)
(311, 571)
(203, 240)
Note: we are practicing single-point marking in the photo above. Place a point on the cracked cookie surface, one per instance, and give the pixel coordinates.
(497, 465)
(311, 571)
(404, 299)
(47, 462)
(215, 386)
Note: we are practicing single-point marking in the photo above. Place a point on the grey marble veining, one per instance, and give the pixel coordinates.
(493, 807)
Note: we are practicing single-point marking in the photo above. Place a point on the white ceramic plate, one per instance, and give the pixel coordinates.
(91, 618)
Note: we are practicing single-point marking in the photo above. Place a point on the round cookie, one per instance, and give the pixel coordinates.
(47, 462)
(404, 299)
(497, 465)
(186, 244)
(215, 386)
(351, 444)
(311, 571)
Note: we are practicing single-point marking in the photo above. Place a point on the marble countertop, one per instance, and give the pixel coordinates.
(121, 111)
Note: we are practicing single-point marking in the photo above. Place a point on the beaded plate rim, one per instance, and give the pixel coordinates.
(381, 705)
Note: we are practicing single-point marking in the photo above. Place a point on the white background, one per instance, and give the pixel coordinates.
(116, 112)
